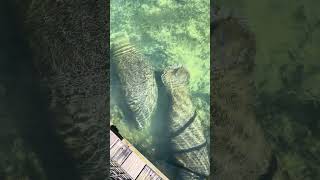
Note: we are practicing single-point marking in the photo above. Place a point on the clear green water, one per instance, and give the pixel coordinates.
(167, 32)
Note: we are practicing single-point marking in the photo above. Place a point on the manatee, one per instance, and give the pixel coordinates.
(137, 79)
(186, 132)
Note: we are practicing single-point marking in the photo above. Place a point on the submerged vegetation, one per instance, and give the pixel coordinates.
(168, 32)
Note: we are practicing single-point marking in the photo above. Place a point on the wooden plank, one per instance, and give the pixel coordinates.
(117, 148)
(148, 174)
(125, 158)
(134, 150)
(113, 138)
(121, 155)
(116, 172)
(133, 165)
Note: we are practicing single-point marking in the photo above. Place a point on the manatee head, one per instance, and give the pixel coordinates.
(119, 45)
(175, 76)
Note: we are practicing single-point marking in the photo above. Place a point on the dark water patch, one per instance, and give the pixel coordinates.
(301, 117)
(27, 103)
(272, 168)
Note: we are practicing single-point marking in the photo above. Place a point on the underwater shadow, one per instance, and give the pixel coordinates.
(160, 124)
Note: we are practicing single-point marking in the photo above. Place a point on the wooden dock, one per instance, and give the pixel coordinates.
(126, 162)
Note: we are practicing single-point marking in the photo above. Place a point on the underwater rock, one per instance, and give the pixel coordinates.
(240, 150)
(137, 80)
(186, 132)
